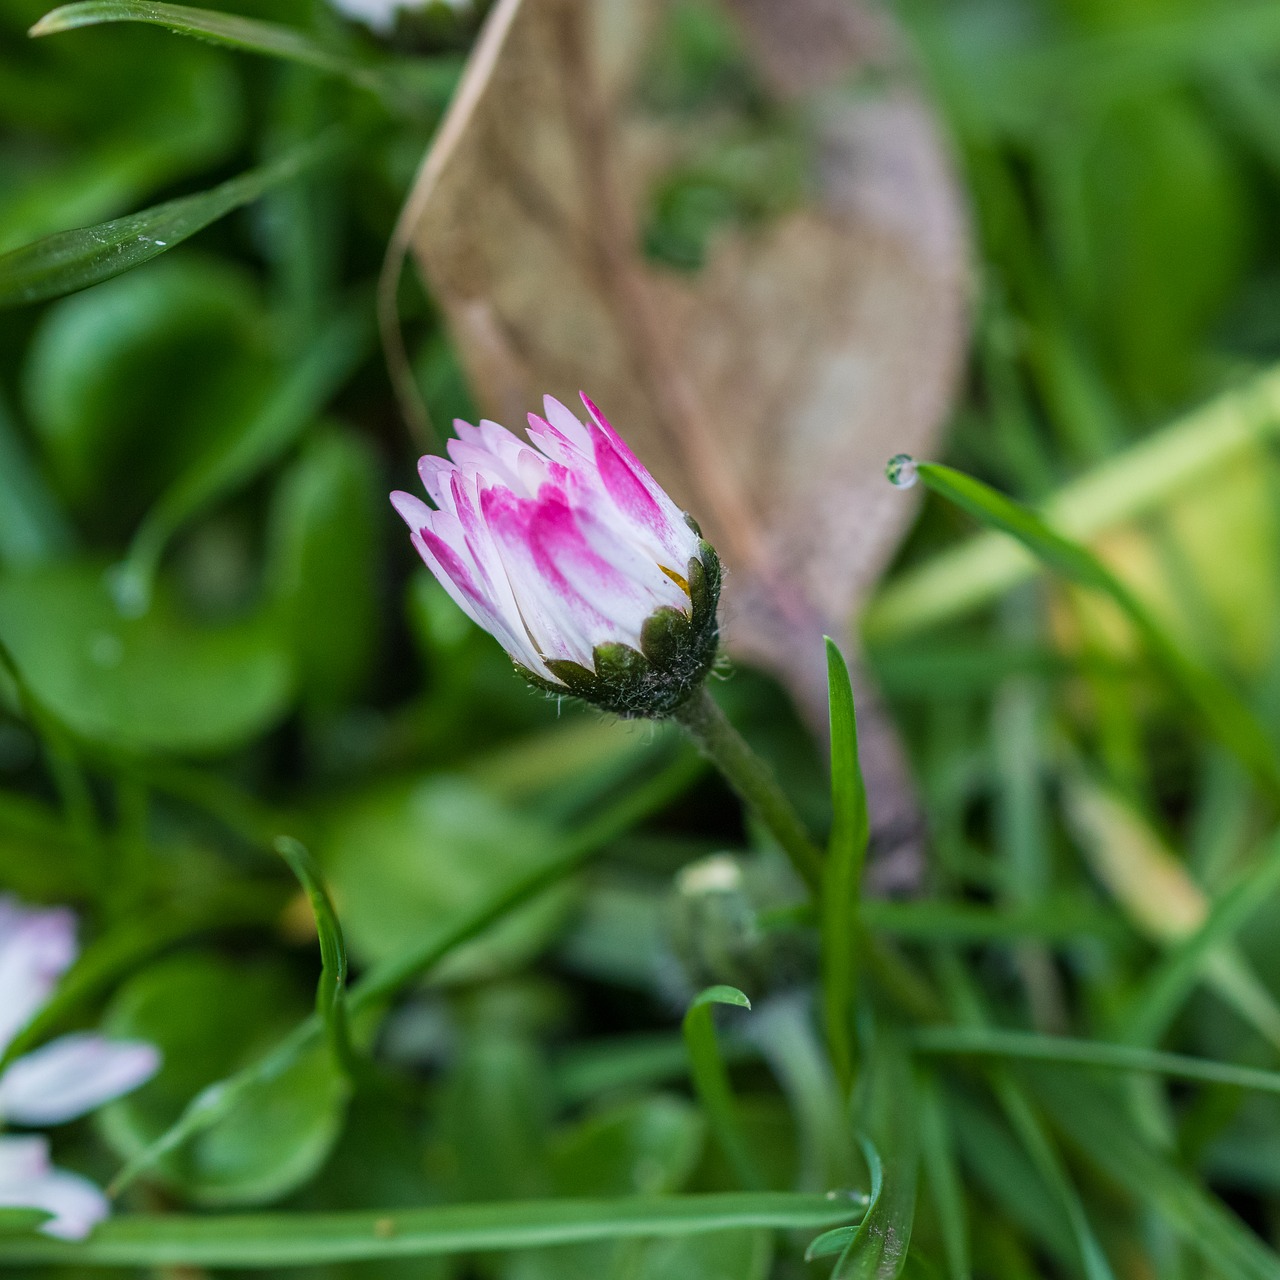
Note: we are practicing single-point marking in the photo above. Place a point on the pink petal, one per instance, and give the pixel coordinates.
(36, 947)
(29, 1181)
(638, 495)
(73, 1075)
(567, 423)
(412, 510)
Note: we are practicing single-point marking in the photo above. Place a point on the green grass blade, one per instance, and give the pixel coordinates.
(331, 992)
(1039, 1145)
(302, 1239)
(383, 980)
(1138, 481)
(1094, 1122)
(1028, 1125)
(247, 34)
(1220, 707)
(711, 1079)
(70, 260)
(1065, 1051)
(1057, 919)
(877, 1246)
(938, 1151)
(1172, 981)
(842, 869)
(840, 1239)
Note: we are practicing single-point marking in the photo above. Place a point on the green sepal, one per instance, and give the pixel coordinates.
(575, 677)
(704, 575)
(661, 636)
(676, 654)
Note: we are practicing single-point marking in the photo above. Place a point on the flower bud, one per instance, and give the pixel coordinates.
(567, 551)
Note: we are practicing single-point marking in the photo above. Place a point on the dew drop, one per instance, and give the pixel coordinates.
(901, 471)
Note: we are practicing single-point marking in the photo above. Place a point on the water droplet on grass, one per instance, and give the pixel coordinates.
(901, 471)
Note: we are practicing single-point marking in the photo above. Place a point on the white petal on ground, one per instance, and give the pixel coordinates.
(380, 15)
(37, 945)
(29, 1181)
(73, 1075)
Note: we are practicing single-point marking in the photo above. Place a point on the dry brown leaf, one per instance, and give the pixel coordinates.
(767, 390)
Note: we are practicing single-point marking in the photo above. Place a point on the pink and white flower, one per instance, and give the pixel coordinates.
(59, 1081)
(567, 551)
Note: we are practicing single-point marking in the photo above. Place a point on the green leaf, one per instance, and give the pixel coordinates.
(157, 683)
(70, 260)
(326, 522)
(33, 529)
(235, 32)
(299, 1239)
(208, 1017)
(128, 383)
(411, 858)
(842, 869)
(711, 1079)
(238, 454)
(1220, 707)
(647, 1147)
(425, 950)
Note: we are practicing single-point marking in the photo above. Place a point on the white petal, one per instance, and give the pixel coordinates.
(29, 1181)
(73, 1075)
(36, 948)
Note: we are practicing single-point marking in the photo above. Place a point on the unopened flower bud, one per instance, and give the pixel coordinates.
(568, 552)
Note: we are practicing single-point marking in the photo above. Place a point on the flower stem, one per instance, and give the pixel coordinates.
(752, 779)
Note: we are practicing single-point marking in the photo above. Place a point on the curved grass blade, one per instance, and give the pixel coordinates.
(70, 260)
(1219, 706)
(331, 993)
(840, 1239)
(248, 34)
(383, 980)
(878, 1249)
(299, 1239)
(842, 869)
(237, 456)
(711, 1079)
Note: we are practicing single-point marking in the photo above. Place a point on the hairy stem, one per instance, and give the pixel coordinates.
(753, 781)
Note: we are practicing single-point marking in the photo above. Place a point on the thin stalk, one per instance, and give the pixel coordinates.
(753, 781)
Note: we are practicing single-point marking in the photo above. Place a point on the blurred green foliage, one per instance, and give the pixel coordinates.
(213, 635)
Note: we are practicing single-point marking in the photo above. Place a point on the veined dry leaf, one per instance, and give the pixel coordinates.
(766, 390)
